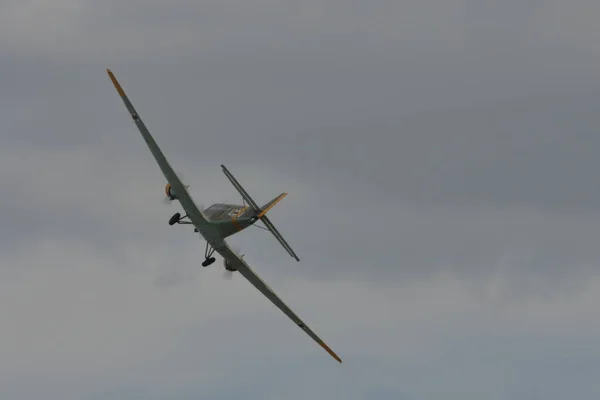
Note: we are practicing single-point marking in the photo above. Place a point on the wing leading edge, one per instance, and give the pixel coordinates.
(194, 214)
(244, 269)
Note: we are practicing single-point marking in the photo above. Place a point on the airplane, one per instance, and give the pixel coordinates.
(220, 221)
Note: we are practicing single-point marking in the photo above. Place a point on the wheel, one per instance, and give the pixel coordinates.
(208, 262)
(174, 219)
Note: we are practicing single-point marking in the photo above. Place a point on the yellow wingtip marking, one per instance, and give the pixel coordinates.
(277, 200)
(331, 352)
(115, 83)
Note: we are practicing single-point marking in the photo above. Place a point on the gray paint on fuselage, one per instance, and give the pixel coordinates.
(229, 218)
(220, 212)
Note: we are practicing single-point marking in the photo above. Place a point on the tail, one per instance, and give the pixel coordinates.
(264, 209)
(262, 215)
(261, 212)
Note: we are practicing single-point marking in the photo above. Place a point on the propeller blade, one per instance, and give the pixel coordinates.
(166, 200)
(227, 275)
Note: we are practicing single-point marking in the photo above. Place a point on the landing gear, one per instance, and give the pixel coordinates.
(209, 259)
(178, 219)
(175, 219)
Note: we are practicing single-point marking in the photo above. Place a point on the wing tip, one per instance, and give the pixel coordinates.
(115, 83)
(331, 352)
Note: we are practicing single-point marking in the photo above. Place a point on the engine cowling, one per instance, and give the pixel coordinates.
(228, 266)
(170, 192)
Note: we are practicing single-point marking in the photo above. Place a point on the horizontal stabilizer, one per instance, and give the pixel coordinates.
(278, 236)
(261, 212)
(270, 205)
(240, 189)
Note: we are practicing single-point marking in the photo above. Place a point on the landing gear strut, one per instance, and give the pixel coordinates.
(208, 255)
(209, 259)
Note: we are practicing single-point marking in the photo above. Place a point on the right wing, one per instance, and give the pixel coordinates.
(243, 268)
(194, 214)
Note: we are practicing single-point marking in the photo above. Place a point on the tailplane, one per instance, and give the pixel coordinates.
(261, 212)
(264, 209)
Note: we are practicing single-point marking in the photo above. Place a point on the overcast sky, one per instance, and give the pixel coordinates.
(441, 159)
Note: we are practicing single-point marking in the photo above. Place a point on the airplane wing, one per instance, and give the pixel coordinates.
(194, 214)
(243, 268)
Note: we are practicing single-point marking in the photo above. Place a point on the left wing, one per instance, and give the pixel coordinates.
(194, 214)
(243, 268)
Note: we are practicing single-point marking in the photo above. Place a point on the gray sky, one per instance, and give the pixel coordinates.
(441, 160)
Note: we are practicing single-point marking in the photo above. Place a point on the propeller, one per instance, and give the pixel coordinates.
(166, 200)
(228, 275)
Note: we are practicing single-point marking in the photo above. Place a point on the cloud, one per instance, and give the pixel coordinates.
(38, 25)
(137, 30)
(109, 329)
(440, 160)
